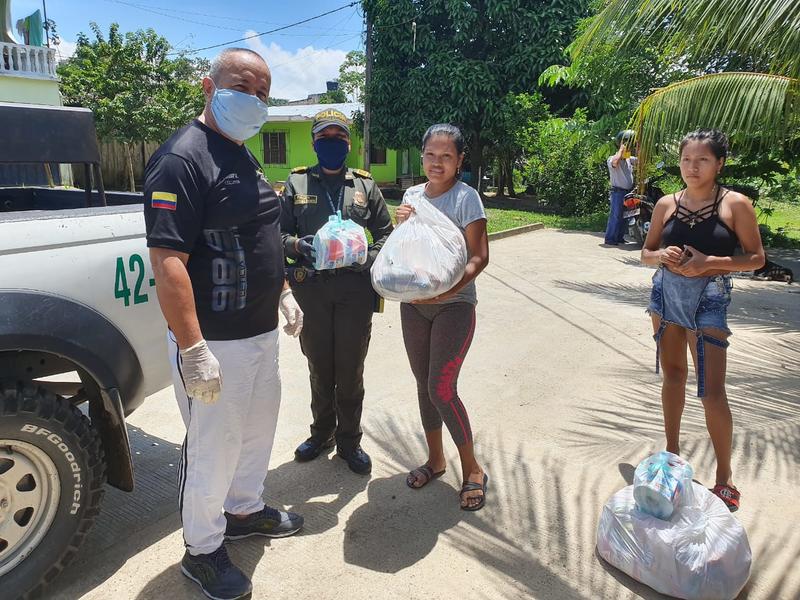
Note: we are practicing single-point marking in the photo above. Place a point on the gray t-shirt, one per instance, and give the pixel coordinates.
(462, 205)
(622, 175)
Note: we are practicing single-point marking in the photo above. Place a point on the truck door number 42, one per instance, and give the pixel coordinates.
(122, 289)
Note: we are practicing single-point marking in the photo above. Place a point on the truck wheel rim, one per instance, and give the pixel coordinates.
(29, 495)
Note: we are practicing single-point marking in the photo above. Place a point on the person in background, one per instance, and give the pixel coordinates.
(212, 223)
(438, 332)
(338, 303)
(620, 169)
(692, 240)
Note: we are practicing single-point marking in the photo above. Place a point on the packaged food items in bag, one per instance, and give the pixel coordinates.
(700, 553)
(661, 483)
(422, 258)
(340, 243)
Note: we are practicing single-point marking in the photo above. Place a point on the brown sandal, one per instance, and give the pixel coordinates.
(424, 474)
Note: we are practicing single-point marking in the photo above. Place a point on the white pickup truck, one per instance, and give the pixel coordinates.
(81, 345)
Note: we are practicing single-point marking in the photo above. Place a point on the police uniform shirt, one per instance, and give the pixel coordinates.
(310, 198)
(206, 196)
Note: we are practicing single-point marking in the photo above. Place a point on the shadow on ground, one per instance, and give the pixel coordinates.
(538, 530)
(536, 537)
(131, 522)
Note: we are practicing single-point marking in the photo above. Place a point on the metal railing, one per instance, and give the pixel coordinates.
(27, 61)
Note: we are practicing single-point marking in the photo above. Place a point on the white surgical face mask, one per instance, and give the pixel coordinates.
(238, 115)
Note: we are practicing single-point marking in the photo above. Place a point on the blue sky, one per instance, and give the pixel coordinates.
(301, 58)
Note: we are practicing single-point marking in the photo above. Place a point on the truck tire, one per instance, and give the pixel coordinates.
(52, 471)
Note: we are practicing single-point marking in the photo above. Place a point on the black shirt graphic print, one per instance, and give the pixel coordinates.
(207, 197)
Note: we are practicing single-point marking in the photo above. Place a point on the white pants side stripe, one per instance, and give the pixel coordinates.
(227, 447)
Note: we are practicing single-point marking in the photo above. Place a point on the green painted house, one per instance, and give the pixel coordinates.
(285, 143)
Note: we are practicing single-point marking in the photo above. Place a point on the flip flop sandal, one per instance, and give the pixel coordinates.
(728, 494)
(469, 486)
(424, 474)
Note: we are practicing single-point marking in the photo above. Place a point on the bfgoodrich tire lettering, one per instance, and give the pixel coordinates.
(66, 447)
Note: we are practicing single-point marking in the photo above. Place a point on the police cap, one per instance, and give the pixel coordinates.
(328, 117)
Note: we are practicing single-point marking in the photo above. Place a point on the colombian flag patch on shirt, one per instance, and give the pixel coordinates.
(164, 200)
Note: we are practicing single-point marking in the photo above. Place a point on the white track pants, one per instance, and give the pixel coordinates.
(226, 451)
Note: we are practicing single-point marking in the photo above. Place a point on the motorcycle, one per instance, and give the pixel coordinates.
(638, 209)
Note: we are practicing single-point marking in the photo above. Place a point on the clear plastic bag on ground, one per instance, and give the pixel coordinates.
(661, 483)
(700, 553)
(339, 243)
(423, 257)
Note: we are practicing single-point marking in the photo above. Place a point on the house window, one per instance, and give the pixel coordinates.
(377, 155)
(275, 148)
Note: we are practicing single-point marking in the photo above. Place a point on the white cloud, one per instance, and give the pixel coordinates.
(65, 49)
(297, 74)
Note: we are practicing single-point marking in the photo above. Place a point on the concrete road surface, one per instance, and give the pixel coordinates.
(564, 401)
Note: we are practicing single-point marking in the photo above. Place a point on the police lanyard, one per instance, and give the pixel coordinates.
(338, 206)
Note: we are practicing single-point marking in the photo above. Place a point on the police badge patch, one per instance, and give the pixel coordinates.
(300, 275)
(304, 199)
(360, 199)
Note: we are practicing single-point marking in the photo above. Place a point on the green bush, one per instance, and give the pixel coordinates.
(563, 169)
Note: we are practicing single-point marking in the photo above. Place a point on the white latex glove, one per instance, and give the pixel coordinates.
(201, 375)
(291, 310)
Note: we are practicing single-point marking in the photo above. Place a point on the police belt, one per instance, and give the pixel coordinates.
(302, 274)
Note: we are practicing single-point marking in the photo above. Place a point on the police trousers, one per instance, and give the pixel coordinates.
(337, 324)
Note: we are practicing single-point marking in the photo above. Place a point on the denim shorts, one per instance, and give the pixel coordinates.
(696, 303)
(711, 310)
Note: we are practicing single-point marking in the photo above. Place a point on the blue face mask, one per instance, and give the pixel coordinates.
(238, 115)
(331, 152)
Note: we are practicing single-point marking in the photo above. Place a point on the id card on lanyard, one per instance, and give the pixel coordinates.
(339, 204)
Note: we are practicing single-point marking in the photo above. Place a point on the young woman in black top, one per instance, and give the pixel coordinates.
(692, 238)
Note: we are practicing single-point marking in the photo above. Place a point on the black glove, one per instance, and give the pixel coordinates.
(366, 266)
(305, 246)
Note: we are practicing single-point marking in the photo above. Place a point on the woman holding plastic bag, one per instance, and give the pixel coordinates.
(692, 240)
(438, 331)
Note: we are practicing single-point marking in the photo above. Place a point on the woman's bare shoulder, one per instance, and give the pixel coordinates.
(733, 197)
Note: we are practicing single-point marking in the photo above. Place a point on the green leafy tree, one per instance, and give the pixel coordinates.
(333, 97)
(515, 127)
(351, 75)
(459, 62)
(750, 88)
(561, 167)
(136, 91)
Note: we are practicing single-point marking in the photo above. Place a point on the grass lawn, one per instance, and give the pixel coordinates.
(501, 219)
(786, 217)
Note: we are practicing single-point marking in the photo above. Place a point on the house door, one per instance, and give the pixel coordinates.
(404, 168)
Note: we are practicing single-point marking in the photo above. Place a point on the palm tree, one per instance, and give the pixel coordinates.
(759, 106)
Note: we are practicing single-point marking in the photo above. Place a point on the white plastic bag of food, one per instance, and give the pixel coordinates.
(423, 257)
(661, 483)
(700, 552)
(339, 243)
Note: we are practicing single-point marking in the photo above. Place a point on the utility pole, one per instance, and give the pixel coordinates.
(367, 78)
(46, 24)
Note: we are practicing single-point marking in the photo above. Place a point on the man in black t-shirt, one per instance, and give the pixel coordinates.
(213, 229)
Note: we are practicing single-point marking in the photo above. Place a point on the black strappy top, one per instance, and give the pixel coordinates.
(702, 229)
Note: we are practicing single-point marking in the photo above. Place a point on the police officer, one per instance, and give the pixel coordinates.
(337, 304)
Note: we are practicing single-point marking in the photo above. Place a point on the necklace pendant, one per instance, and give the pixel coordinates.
(691, 224)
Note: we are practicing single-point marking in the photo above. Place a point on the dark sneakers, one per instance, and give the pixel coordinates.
(267, 522)
(358, 460)
(216, 575)
(312, 448)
